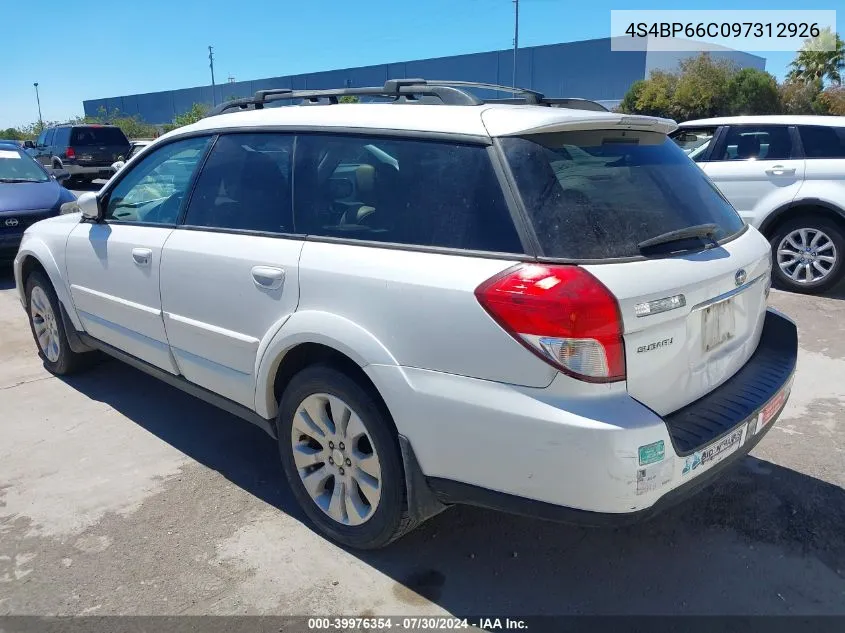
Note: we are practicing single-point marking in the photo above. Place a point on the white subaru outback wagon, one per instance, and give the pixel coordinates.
(535, 305)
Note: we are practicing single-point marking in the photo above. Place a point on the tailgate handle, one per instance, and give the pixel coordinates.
(780, 170)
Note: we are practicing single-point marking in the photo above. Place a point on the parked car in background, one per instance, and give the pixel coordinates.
(136, 146)
(28, 193)
(11, 142)
(544, 310)
(85, 151)
(786, 177)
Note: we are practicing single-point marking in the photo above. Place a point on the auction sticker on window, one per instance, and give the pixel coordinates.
(712, 454)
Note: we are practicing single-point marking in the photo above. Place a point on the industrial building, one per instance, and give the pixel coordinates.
(587, 69)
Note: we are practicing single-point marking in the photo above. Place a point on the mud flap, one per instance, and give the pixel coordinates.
(422, 503)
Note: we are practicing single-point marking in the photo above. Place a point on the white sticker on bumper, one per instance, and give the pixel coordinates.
(654, 476)
(704, 459)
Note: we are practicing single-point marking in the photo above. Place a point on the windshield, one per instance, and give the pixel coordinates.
(597, 194)
(17, 166)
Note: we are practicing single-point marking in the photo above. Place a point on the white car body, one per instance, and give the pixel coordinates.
(770, 190)
(222, 310)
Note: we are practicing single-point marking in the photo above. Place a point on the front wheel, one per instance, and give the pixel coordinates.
(341, 458)
(807, 254)
(48, 329)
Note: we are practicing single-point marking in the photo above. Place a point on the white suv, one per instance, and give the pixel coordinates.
(430, 301)
(786, 177)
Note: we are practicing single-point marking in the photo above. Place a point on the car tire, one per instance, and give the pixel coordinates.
(800, 232)
(347, 503)
(48, 328)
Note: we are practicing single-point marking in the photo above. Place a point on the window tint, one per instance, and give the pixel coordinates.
(822, 142)
(62, 137)
(50, 133)
(42, 138)
(597, 194)
(153, 189)
(768, 142)
(427, 193)
(97, 136)
(694, 141)
(245, 184)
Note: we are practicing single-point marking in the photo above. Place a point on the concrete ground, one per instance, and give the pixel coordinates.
(121, 495)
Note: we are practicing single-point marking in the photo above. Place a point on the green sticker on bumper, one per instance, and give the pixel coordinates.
(651, 453)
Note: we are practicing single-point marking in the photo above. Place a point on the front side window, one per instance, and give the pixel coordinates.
(694, 141)
(405, 191)
(49, 139)
(152, 190)
(822, 142)
(42, 139)
(763, 142)
(597, 194)
(245, 185)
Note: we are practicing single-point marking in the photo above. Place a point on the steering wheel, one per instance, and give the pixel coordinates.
(167, 212)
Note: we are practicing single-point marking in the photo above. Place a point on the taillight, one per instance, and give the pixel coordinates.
(563, 314)
(70, 153)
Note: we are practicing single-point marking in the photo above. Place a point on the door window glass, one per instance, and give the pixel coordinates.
(152, 190)
(767, 142)
(822, 142)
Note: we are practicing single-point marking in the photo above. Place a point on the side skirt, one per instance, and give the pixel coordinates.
(180, 383)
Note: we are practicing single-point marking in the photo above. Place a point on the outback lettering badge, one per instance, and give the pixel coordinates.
(656, 345)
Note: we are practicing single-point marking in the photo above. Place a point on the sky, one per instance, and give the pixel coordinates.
(108, 49)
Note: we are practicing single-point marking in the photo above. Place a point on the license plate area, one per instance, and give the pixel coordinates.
(718, 324)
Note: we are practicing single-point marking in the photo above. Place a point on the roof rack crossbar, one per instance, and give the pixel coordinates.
(406, 91)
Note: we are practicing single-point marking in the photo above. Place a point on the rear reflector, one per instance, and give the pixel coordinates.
(563, 314)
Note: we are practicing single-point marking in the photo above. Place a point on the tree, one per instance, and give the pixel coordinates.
(752, 91)
(629, 101)
(821, 59)
(799, 97)
(652, 96)
(197, 112)
(833, 100)
(702, 89)
(12, 134)
(348, 99)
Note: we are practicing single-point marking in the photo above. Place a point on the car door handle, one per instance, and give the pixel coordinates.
(268, 277)
(780, 170)
(142, 256)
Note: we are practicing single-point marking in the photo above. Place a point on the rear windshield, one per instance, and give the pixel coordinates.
(597, 194)
(98, 136)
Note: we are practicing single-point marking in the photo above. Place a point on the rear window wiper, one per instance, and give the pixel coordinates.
(704, 231)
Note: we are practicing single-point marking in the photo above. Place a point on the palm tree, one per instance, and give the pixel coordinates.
(820, 58)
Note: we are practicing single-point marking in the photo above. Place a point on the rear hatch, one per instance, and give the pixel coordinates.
(98, 146)
(690, 278)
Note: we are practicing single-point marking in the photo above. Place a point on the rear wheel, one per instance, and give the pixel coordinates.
(48, 329)
(341, 458)
(807, 254)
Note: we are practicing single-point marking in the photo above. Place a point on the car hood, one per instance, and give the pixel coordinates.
(23, 196)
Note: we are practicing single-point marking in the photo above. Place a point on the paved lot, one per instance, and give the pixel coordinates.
(120, 495)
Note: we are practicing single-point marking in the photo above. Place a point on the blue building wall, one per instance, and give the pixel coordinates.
(588, 69)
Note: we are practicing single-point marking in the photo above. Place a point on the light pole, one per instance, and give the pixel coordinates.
(211, 65)
(38, 99)
(515, 38)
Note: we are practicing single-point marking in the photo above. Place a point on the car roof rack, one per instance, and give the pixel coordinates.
(573, 103)
(413, 90)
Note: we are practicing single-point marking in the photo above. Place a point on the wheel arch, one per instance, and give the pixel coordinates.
(795, 208)
(36, 255)
(313, 336)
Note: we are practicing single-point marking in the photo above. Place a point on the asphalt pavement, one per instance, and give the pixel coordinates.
(121, 495)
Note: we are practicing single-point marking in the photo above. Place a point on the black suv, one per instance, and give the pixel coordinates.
(85, 151)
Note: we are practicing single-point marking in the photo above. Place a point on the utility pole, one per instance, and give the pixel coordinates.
(211, 65)
(38, 99)
(515, 38)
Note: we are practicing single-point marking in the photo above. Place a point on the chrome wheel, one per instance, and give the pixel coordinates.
(44, 324)
(336, 459)
(806, 255)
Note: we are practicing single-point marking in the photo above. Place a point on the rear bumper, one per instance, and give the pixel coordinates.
(99, 171)
(541, 452)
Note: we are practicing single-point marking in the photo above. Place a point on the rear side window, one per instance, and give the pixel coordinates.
(597, 194)
(406, 191)
(764, 142)
(822, 142)
(245, 185)
(82, 136)
(62, 137)
(50, 134)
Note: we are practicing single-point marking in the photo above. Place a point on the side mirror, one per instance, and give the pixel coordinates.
(89, 205)
(60, 174)
(29, 145)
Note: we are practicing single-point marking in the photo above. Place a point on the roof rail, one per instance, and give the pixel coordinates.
(573, 103)
(411, 90)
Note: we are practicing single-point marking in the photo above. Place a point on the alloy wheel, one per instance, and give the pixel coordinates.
(44, 323)
(806, 255)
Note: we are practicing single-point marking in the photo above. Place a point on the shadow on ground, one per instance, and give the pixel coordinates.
(756, 542)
